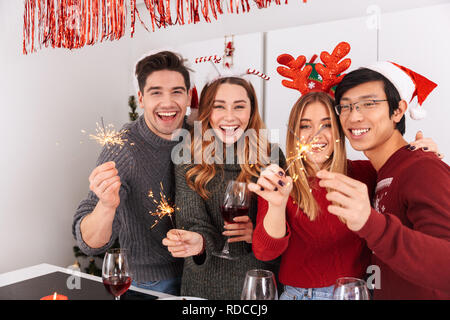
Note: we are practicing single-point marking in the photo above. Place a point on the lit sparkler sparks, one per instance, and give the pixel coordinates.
(108, 136)
(303, 148)
(163, 207)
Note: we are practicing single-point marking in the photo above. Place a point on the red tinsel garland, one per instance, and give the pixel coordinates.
(73, 24)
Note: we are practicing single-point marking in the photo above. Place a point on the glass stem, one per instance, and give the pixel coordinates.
(226, 248)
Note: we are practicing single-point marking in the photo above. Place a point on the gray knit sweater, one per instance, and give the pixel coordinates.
(213, 277)
(143, 162)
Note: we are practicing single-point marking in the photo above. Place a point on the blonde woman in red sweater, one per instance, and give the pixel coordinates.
(293, 221)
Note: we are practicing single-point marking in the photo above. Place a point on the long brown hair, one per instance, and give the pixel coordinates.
(200, 174)
(337, 162)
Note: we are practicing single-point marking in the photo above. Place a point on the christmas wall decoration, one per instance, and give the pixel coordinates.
(228, 54)
(73, 24)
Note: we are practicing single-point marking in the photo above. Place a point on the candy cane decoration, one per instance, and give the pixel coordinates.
(259, 74)
(214, 59)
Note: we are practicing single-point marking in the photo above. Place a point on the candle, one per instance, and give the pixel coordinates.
(55, 296)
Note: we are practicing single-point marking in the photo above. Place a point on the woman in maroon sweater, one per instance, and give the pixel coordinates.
(316, 247)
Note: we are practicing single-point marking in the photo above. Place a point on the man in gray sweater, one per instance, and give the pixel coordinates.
(118, 205)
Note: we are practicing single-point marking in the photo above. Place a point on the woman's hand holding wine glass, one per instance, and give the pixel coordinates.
(238, 226)
(240, 230)
(236, 203)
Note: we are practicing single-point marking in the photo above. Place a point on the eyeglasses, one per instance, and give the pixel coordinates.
(362, 106)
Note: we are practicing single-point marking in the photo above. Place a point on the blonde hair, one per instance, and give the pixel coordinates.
(337, 162)
(199, 175)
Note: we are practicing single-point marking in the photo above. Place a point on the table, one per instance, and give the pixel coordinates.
(12, 277)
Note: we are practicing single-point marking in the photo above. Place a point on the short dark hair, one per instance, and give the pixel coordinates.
(164, 60)
(364, 75)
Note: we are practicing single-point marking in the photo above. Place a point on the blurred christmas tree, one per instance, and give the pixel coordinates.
(132, 104)
(92, 267)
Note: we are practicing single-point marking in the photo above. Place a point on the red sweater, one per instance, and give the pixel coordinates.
(409, 230)
(315, 253)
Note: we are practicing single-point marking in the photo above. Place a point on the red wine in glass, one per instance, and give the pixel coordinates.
(236, 203)
(231, 212)
(116, 272)
(117, 285)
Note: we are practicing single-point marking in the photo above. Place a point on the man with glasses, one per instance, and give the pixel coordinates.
(408, 227)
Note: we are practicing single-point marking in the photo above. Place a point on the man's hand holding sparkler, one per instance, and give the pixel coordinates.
(105, 183)
(183, 243)
(274, 186)
(349, 196)
(96, 227)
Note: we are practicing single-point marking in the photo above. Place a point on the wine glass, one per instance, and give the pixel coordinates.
(236, 203)
(350, 289)
(259, 285)
(115, 272)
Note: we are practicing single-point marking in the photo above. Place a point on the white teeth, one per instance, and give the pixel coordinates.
(229, 128)
(319, 145)
(167, 114)
(358, 132)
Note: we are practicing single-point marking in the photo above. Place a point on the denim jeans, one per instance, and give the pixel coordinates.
(169, 286)
(293, 293)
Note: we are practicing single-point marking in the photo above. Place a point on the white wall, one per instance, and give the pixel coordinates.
(46, 98)
(420, 40)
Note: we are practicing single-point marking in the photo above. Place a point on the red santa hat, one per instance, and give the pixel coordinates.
(408, 83)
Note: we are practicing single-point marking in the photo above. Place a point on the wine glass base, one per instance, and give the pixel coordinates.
(224, 255)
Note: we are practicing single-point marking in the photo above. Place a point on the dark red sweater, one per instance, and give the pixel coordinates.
(315, 253)
(409, 230)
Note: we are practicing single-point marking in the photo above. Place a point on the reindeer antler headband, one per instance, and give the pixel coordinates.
(330, 72)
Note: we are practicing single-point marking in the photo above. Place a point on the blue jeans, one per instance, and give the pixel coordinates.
(293, 293)
(169, 286)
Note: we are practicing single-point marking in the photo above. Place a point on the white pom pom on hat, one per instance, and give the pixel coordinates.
(408, 83)
(416, 112)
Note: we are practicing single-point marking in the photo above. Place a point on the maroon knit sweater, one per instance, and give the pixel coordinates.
(409, 229)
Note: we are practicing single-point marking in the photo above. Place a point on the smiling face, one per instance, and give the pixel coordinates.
(368, 130)
(316, 116)
(231, 112)
(164, 100)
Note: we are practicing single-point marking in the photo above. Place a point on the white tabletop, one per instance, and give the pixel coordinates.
(42, 269)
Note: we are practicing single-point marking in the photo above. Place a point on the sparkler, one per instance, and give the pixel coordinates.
(163, 208)
(108, 136)
(303, 148)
